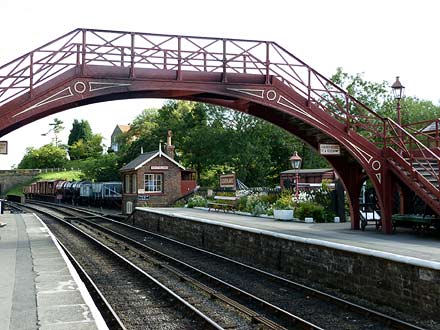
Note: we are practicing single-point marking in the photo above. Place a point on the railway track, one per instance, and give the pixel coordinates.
(267, 300)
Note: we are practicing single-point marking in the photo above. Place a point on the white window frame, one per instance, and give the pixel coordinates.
(156, 180)
(134, 183)
(127, 179)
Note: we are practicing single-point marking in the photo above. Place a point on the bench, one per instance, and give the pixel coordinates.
(223, 203)
(369, 213)
(418, 222)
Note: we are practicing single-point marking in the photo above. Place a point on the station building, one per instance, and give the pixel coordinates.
(155, 178)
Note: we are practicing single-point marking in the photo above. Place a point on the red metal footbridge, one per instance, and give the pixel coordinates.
(260, 78)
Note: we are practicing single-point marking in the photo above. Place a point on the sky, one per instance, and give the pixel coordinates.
(380, 39)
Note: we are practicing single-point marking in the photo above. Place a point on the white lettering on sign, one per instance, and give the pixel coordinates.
(158, 167)
(227, 181)
(3, 147)
(330, 149)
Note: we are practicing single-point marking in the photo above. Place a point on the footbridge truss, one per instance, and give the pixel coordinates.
(260, 78)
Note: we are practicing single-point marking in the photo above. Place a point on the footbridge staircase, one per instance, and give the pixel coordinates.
(260, 78)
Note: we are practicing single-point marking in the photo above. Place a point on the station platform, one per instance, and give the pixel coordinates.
(403, 246)
(39, 288)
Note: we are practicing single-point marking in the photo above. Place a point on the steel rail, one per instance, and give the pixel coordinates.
(138, 249)
(293, 319)
(111, 318)
(208, 321)
(394, 322)
(397, 324)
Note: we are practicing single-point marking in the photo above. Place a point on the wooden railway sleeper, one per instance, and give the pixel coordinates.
(255, 317)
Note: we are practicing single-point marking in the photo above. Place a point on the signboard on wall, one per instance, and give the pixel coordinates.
(330, 149)
(3, 147)
(143, 197)
(227, 181)
(158, 167)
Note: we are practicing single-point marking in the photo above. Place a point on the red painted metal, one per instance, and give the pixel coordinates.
(257, 77)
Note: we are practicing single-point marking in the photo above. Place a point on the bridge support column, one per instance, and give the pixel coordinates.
(352, 178)
(387, 202)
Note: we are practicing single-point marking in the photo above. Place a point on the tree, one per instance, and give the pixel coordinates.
(377, 96)
(212, 139)
(56, 127)
(82, 149)
(374, 95)
(141, 135)
(102, 168)
(80, 130)
(48, 156)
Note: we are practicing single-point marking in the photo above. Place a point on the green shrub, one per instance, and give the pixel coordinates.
(255, 205)
(269, 198)
(241, 203)
(284, 202)
(197, 201)
(310, 209)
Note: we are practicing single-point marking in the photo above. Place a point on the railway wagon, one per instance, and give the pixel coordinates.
(76, 192)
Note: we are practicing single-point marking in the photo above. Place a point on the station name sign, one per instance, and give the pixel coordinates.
(158, 167)
(227, 181)
(3, 147)
(330, 149)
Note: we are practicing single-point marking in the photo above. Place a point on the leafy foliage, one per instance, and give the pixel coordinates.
(81, 130)
(212, 140)
(310, 209)
(102, 168)
(197, 201)
(83, 149)
(48, 156)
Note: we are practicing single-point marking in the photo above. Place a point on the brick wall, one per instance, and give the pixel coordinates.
(171, 184)
(405, 287)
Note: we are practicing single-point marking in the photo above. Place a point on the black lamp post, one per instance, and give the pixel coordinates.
(399, 93)
(295, 161)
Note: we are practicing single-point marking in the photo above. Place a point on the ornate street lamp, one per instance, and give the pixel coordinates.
(295, 161)
(399, 93)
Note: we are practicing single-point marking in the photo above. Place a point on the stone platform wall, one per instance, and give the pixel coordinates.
(407, 287)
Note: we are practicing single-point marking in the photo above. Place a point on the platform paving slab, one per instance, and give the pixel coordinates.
(39, 288)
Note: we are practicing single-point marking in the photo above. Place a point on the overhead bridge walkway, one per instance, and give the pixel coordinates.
(256, 77)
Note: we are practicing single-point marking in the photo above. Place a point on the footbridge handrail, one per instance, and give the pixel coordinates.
(415, 156)
(134, 50)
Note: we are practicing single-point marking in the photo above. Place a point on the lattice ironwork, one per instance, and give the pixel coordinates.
(139, 51)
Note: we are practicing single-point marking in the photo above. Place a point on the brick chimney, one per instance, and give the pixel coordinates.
(169, 148)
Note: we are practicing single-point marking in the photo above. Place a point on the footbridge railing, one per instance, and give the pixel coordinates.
(132, 50)
(135, 51)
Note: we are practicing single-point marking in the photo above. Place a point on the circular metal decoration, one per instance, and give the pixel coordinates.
(271, 95)
(376, 165)
(79, 87)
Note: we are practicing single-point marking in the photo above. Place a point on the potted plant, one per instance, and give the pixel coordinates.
(283, 207)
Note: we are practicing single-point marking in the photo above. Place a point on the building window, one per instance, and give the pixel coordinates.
(153, 182)
(127, 184)
(134, 183)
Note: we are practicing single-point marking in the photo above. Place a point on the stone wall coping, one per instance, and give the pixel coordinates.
(338, 246)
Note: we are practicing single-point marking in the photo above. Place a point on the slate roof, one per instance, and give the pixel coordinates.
(139, 160)
(308, 171)
(146, 157)
(430, 128)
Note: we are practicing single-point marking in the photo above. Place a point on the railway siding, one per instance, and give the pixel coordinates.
(409, 285)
